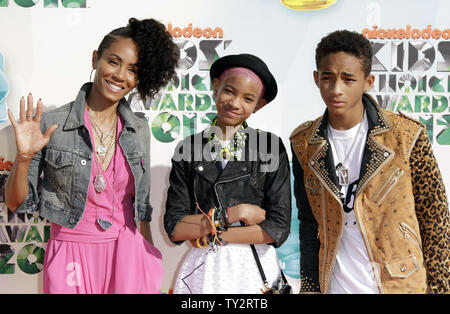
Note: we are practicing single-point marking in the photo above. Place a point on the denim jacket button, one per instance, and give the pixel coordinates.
(72, 221)
(83, 162)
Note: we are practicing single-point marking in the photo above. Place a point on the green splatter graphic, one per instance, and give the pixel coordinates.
(31, 259)
(166, 127)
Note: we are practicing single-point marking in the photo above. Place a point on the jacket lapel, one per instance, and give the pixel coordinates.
(205, 167)
(375, 154)
(321, 162)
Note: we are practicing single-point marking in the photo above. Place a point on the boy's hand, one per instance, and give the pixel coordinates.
(248, 213)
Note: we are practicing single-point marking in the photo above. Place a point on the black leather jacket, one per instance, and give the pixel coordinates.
(261, 178)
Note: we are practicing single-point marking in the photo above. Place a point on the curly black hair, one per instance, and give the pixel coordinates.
(349, 42)
(158, 55)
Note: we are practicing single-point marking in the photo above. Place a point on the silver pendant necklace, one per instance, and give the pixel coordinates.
(100, 182)
(343, 172)
(103, 148)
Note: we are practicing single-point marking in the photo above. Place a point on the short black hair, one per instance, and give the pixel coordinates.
(158, 54)
(346, 41)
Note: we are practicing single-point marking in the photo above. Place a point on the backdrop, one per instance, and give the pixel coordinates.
(46, 48)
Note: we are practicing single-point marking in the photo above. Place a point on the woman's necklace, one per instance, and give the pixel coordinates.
(100, 184)
(104, 147)
(227, 150)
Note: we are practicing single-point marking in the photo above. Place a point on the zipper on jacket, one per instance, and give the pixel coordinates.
(387, 187)
(410, 234)
(227, 181)
(376, 274)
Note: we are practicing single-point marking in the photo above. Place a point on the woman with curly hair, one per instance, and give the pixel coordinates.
(94, 154)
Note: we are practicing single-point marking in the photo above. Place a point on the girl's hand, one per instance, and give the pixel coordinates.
(29, 137)
(248, 213)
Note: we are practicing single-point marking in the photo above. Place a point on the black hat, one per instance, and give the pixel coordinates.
(250, 62)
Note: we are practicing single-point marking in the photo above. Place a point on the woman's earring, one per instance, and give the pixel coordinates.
(90, 76)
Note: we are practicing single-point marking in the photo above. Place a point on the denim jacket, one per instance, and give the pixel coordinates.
(67, 160)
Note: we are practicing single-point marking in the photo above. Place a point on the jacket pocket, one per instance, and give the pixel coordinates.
(59, 169)
(402, 267)
(410, 234)
(388, 185)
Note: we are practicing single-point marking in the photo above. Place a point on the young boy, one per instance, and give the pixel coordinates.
(372, 205)
(225, 175)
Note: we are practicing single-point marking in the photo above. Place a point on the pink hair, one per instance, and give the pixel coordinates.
(246, 72)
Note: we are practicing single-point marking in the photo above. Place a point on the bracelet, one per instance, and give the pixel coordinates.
(200, 246)
(216, 220)
(22, 157)
(220, 219)
(215, 240)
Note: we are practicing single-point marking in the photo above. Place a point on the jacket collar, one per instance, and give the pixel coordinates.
(378, 122)
(212, 170)
(75, 118)
(374, 157)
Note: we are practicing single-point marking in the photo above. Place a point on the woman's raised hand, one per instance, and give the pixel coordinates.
(29, 137)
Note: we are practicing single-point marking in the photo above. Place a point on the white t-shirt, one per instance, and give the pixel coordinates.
(352, 272)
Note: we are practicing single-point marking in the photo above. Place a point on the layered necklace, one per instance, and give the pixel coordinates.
(107, 139)
(107, 146)
(100, 184)
(234, 149)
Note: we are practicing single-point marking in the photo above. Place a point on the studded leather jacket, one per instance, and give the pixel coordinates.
(400, 205)
(261, 178)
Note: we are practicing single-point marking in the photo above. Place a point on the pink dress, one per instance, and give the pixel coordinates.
(88, 259)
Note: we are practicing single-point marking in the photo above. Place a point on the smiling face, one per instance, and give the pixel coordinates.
(116, 70)
(342, 82)
(237, 97)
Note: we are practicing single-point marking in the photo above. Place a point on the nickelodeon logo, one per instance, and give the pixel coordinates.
(46, 3)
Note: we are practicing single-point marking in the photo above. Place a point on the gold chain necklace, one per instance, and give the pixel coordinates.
(103, 149)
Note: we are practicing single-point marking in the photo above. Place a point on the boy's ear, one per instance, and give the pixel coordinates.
(216, 83)
(94, 59)
(370, 80)
(316, 78)
(261, 103)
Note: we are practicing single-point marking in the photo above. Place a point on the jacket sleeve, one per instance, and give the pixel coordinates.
(277, 199)
(178, 203)
(432, 213)
(144, 205)
(309, 242)
(31, 202)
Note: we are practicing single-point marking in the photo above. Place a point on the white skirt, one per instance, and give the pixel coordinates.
(231, 269)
